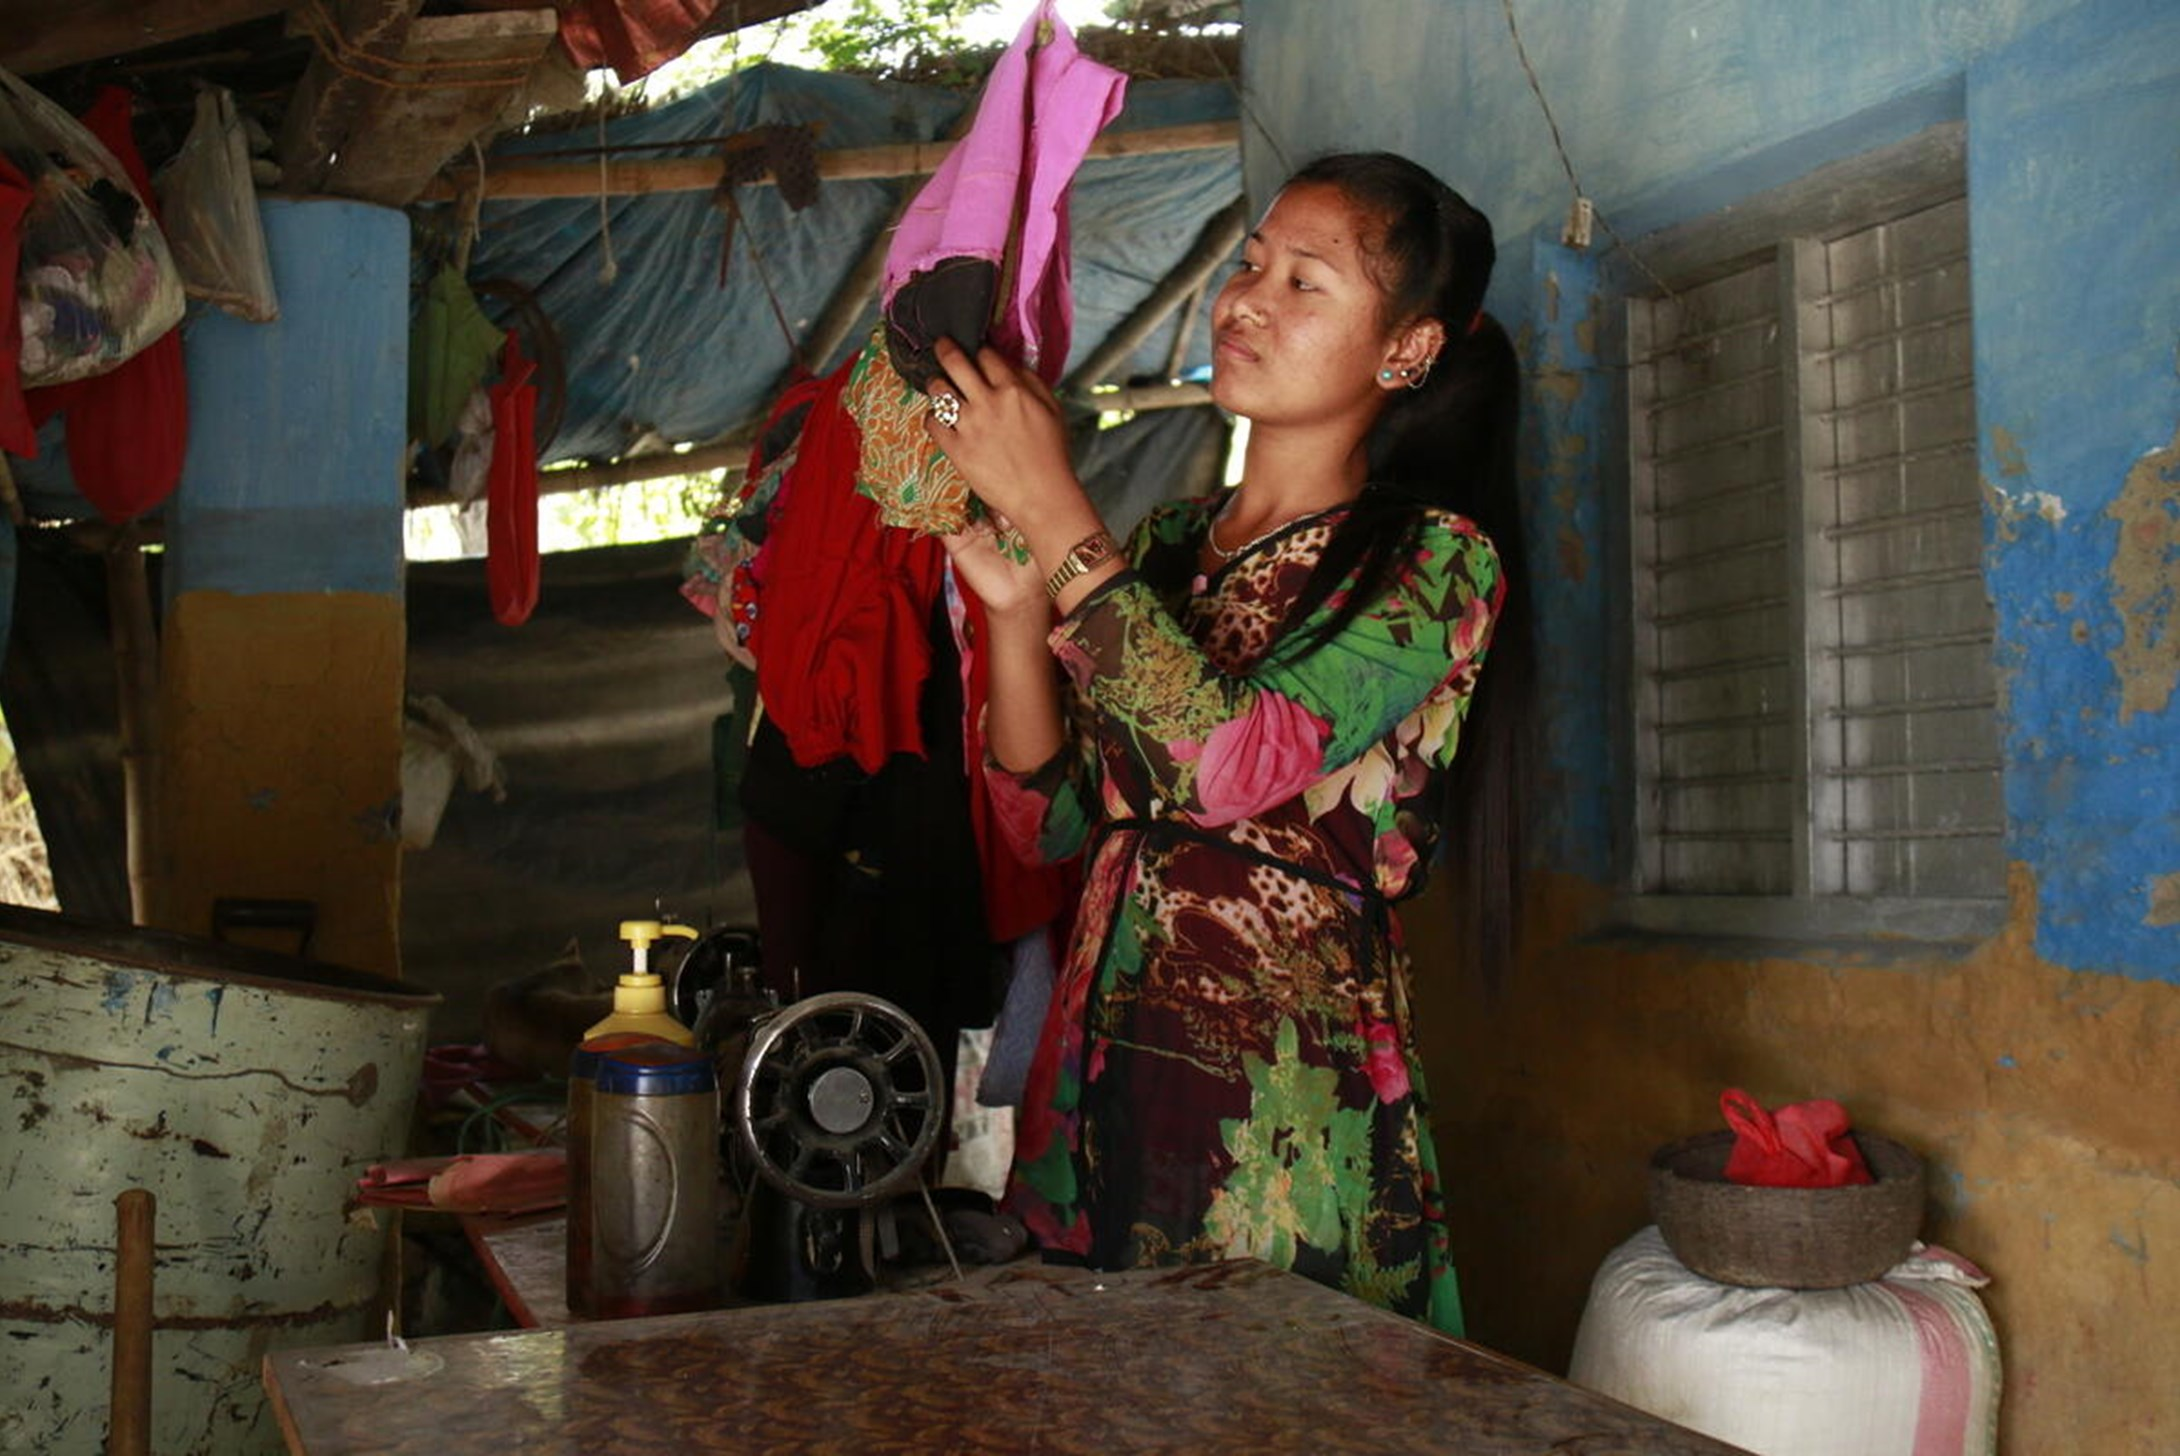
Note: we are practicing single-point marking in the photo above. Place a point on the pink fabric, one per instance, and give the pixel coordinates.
(1941, 1416)
(1034, 122)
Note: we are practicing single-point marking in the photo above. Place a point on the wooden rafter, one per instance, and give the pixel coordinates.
(45, 35)
(509, 181)
(391, 95)
(1212, 247)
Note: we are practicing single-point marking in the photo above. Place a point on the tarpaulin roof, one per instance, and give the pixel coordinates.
(666, 348)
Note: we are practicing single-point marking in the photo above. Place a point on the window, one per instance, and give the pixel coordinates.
(1816, 743)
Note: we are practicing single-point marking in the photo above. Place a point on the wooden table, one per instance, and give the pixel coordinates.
(1235, 1357)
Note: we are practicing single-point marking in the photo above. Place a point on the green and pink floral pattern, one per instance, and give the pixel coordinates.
(1229, 1066)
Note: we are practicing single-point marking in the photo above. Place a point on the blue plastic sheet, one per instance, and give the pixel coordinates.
(665, 348)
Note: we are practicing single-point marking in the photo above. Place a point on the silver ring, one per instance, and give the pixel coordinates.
(946, 409)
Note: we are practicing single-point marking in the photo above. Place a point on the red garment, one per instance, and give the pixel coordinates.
(128, 429)
(1018, 896)
(635, 37)
(1803, 1145)
(511, 490)
(18, 436)
(841, 635)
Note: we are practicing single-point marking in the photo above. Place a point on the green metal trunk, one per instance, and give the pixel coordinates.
(247, 1091)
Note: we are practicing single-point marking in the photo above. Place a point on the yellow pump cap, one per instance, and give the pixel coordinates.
(643, 933)
(639, 998)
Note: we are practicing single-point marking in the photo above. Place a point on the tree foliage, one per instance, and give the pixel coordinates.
(883, 35)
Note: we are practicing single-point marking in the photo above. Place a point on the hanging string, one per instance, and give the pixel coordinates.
(764, 276)
(1559, 145)
(469, 211)
(609, 267)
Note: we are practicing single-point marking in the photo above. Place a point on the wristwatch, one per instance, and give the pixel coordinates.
(1092, 550)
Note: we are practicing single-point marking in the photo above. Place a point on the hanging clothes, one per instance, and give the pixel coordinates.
(840, 635)
(18, 436)
(634, 37)
(128, 428)
(511, 566)
(1044, 102)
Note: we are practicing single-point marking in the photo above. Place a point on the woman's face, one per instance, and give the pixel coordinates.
(1299, 329)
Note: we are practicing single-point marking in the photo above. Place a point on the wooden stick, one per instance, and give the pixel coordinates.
(512, 180)
(1147, 397)
(128, 1421)
(136, 672)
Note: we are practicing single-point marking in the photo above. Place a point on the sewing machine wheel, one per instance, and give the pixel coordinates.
(839, 1101)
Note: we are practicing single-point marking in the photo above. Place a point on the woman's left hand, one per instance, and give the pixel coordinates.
(1009, 440)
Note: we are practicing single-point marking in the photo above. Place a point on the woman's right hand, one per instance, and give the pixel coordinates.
(1007, 587)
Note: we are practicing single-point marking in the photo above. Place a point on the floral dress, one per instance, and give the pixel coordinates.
(1229, 1067)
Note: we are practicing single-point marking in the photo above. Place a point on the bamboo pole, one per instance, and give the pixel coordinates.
(1147, 397)
(136, 672)
(729, 453)
(1210, 249)
(508, 181)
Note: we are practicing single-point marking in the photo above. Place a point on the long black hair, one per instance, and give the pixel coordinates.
(1450, 443)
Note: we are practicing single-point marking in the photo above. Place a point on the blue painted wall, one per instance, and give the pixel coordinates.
(295, 476)
(1672, 109)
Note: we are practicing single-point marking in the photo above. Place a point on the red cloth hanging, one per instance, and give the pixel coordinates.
(842, 635)
(634, 37)
(18, 436)
(1018, 896)
(128, 429)
(510, 561)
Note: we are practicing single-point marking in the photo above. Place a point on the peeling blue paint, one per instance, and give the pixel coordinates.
(1567, 428)
(161, 1000)
(2070, 195)
(1674, 109)
(2008, 1062)
(120, 990)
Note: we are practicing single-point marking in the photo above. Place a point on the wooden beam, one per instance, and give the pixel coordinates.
(354, 38)
(730, 453)
(1147, 397)
(508, 181)
(455, 77)
(45, 35)
(1211, 248)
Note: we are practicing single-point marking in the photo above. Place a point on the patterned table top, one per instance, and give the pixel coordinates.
(1235, 1357)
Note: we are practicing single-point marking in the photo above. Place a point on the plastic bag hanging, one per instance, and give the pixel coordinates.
(94, 283)
(209, 207)
(128, 428)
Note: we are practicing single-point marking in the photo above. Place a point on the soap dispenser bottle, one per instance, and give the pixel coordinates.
(639, 997)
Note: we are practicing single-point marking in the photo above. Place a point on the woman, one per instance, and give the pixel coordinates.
(1263, 695)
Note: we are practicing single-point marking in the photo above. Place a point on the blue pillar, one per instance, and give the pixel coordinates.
(282, 656)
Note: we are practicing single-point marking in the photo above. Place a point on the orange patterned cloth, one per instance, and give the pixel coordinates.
(913, 483)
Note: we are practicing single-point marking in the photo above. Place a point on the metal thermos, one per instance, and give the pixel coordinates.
(654, 1182)
(582, 1093)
